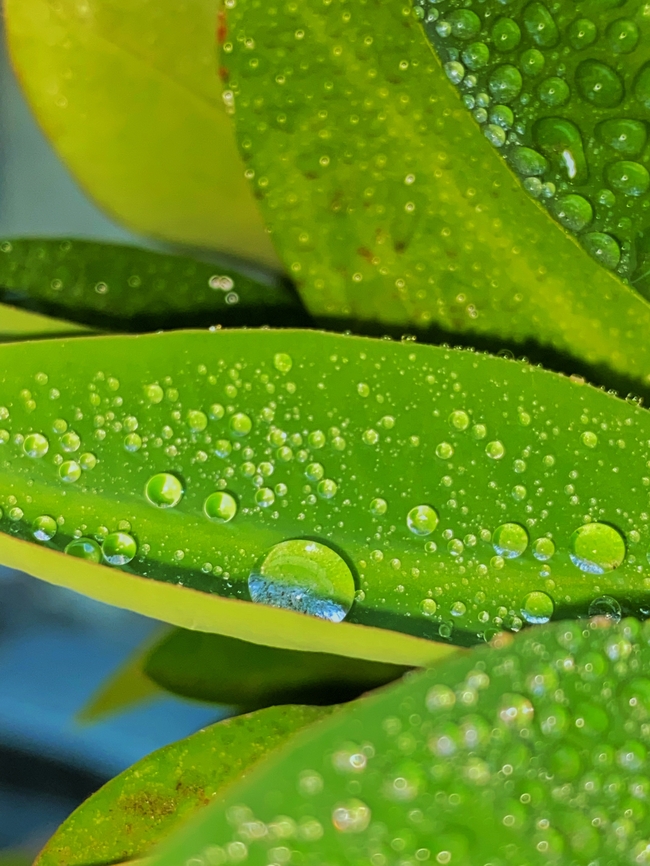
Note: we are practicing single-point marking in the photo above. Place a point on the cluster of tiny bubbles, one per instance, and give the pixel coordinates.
(305, 576)
(564, 99)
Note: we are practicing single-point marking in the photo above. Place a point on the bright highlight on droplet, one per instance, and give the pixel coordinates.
(304, 576)
(44, 528)
(164, 490)
(119, 548)
(220, 507)
(35, 445)
(422, 520)
(597, 548)
(537, 608)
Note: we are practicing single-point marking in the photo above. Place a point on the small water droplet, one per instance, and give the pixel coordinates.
(119, 548)
(606, 606)
(327, 488)
(241, 424)
(352, 816)
(84, 548)
(510, 540)
(197, 421)
(589, 439)
(428, 606)
(221, 507)
(35, 445)
(495, 450)
(282, 362)
(543, 549)
(70, 471)
(164, 490)
(596, 548)
(265, 497)
(444, 451)
(422, 520)
(304, 576)
(378, 507)
(154, 393)
(537, 608)
(44, 528)
(515, 710)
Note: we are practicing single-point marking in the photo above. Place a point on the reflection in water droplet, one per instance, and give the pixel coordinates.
(589, 439)
(164, 490)
(606, 606)
(510, 540)
(221, 506)
(422, 520)
(537, 608)
(197, 421)
(44, 528)
(304, 576)
(154, 393)
(84, 548)
(428, 606)
(516, 710)
(495, 450)
(35, 445)
(378, 507)
(265, 497)
(597, 548)
(119, 548)
(70, 441)
(241, 424)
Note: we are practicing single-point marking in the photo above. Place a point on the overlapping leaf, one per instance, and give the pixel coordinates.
(131, 813)
(222, 670)
(124, 288)
(438, 493)
(386, 201)
(129, 96)
(534, 752)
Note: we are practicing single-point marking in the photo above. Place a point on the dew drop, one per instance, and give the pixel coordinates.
(35, 445)
(599, 84)
(241, 424)
(422, 520)
(197, 421)
(87, 461)
(132, 442)
(444, 451)
(84, 548)
(378, 507)
(606, 606)
(510, 540)
(352, 816)
(603, 248)
(597, 548)
(265, 497)
(154, 393)
(221, 507)
(537, 608)
(119, 548)
(44, 527)
(428, 606)
(515, 710)
(543, 549)
(495, 450)
(164, 490)
(589, 439)
(459, 419)
(70, 441)
(304, 576)
(70, 471)
(282, 362)
(327, 488)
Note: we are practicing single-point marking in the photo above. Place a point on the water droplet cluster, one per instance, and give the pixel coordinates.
(534, 751)
(563, 91)
(491, 495)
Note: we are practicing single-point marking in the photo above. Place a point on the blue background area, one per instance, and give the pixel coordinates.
(56, 647)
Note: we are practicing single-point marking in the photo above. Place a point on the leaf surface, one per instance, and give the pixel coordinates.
(534, 752)
(130, 98)
(388, 204)
(223, 670)
(124, 288)
(151, 799)
(17, 324)
(408, 489)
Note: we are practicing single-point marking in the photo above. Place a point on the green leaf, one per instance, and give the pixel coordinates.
(127, 687)
(129, 289)
(433, 492)
(129, 96)
(575, 133)
(223, 670)
(17, 324)
(388, 204)
(534, 752)
(146, 802)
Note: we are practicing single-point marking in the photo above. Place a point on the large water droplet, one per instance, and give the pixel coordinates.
(119, 548)
(197, 421)
(305, 576)
(84, 548)
(241, 424)
(543, 549)
(35, 445)
(537, 608)
(606, 606)
(629, 178)
(164, 490)
(70, 471)
(510, 540)
(44, 528)
(282, 362)
(220, 507)
(599, 84)
(422, 520)
(597, 548)
(540, 25)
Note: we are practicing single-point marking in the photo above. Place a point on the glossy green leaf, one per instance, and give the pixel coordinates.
(128, 94)
(125, 688)
(429, 491)
(128, 289)
(148, 801)
(388, 204)
(223, 670)
(574, 131)
(534, 752)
